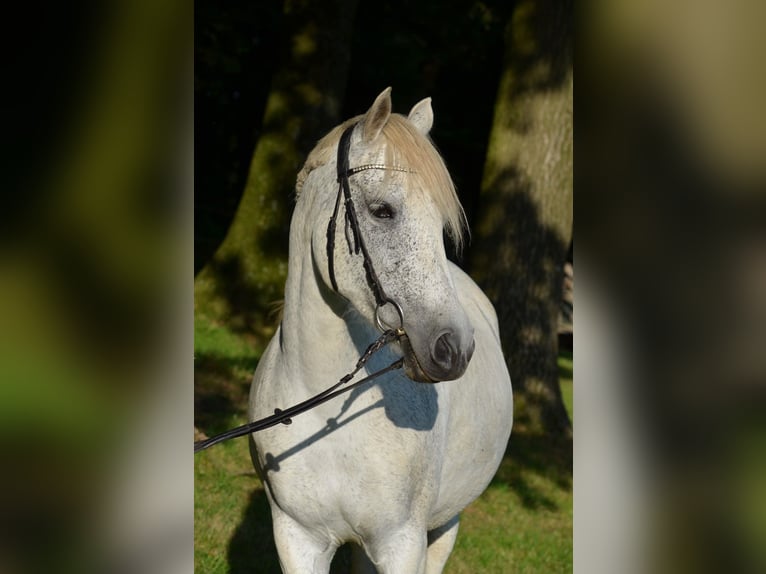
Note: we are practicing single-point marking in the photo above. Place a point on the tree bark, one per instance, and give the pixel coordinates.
(245, 277)
(525, 224)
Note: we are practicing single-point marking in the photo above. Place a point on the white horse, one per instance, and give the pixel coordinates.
(391, 465)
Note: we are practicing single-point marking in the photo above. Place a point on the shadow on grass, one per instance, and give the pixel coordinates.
(534, 454)
(252, 550)
(221, 387)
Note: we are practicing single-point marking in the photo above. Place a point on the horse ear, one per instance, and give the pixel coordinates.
(377, 116)
(422, 116)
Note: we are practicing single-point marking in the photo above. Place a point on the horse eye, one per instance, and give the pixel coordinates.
(382, 211)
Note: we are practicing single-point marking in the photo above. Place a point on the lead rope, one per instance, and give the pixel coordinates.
(285, 416)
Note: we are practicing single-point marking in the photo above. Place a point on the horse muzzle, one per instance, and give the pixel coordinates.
(447, 359)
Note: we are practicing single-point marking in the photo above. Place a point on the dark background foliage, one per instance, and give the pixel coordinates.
(451, 51)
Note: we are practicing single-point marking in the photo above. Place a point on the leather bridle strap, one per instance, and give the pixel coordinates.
(285, 416)
(343, 148)
(344, 189)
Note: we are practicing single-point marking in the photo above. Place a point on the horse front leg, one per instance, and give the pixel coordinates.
(403, 551)
(300, 550)
(441, 541)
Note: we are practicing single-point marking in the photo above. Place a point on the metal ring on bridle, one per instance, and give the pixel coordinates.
(379, 322)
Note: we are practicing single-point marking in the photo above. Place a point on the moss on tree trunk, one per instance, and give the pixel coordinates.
(244, 280)
(525, 225)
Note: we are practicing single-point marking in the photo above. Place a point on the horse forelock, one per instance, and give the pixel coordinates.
(406, 147)
(410, 148)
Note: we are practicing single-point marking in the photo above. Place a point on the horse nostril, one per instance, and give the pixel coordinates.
(444, 352)
(450, 354)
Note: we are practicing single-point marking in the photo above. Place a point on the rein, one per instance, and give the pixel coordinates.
(285, 416)
(389, 335)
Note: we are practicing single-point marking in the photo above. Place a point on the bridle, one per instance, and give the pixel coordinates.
(381, 299)
(351, 221)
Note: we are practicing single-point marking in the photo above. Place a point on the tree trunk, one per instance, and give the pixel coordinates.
(525, 224)
(245, 277)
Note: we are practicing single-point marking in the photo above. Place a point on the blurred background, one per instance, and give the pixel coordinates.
(96, 323)
(671, 315)
(114, 112)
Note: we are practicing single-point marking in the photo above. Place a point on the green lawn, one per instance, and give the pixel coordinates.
(522, 523)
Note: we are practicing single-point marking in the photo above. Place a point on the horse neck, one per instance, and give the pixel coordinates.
(317, 341)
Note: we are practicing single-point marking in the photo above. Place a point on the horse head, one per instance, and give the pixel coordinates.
(403, 200)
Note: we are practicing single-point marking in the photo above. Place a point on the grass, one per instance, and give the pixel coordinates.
(521, 524)
(223, 366)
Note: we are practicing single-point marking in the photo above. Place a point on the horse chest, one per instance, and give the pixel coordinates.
(356, 466)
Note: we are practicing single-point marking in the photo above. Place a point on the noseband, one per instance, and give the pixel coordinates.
(351, 221)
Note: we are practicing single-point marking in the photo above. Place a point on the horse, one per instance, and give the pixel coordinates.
(390, 467)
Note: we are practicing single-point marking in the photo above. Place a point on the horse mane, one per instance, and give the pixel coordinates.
(407, 147)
